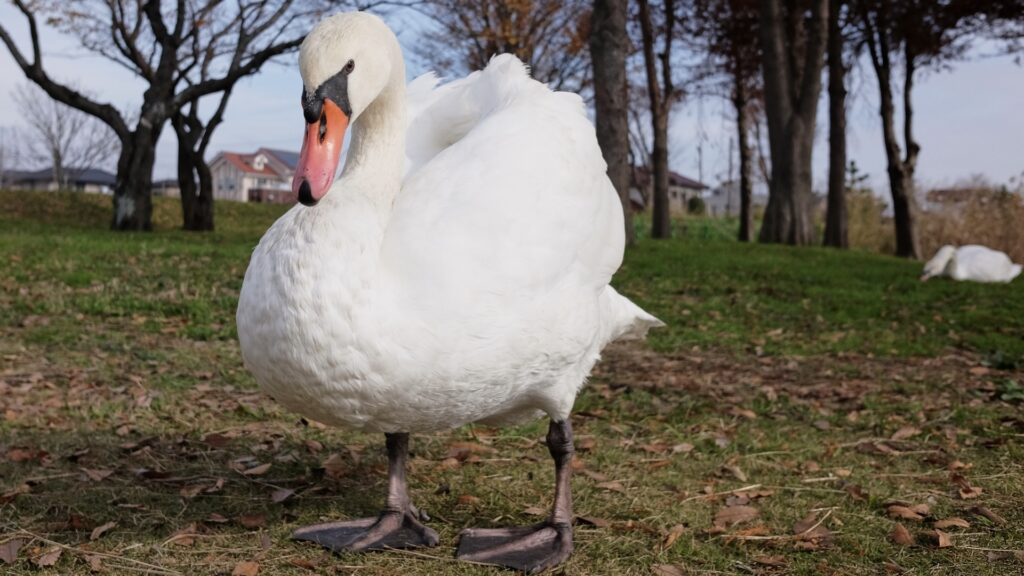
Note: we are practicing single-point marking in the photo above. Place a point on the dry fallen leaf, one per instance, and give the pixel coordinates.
(535, 511)
(732, 515)
(257, 470)
(9, 550)
(97, 475)
(773, 561)
(952, 522)
(941, 539)
(281, 495)
(100, 530)
(613, 485)
(253, 521)
(48, 558)
(735, 471)
(985, 512)
(246, 569)
(468, 500)
(903, 512)
(672, 536)
(901, 535)
(593, 521)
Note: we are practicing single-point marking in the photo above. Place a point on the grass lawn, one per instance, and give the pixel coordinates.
(799, 408)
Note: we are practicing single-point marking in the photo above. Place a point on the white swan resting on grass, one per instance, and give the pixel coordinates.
(457, 271)
(972, 262)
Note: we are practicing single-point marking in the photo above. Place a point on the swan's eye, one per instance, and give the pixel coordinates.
(349, 67)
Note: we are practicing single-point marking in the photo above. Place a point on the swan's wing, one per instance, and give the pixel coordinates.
(507, 200)
(983, 264)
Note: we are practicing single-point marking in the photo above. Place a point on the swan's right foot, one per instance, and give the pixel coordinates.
(389, 530)
(397, 527)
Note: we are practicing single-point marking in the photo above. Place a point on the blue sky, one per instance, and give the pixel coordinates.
(970, 120)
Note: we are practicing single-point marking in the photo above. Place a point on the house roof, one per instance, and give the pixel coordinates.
(243, 162)
(287, 157)
(642, 178)
(76, 175)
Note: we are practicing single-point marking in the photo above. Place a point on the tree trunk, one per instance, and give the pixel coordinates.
(661, 224)
(133, 203)
(609, 45)
(194, 180)
(901, 171)
(835, 218)
(792, 86)
(740, 101)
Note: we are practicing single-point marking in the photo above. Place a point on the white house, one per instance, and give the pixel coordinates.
(263, 176)
(680, 190)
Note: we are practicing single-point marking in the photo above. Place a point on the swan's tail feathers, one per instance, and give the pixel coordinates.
(626, 320)
(1014, 271)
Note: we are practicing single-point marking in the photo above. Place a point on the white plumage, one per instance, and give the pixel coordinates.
(972, 262)
(458, 271)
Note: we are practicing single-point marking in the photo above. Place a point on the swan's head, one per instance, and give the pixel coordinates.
(939, 263)
(345, 62)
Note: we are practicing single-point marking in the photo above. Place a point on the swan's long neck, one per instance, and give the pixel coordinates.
(374, 166)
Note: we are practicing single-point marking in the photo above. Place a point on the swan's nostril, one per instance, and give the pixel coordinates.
(323, 127)
(306, 194)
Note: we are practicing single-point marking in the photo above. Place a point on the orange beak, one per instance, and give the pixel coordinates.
(321, 149)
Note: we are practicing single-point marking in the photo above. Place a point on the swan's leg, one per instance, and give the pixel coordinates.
(535, 548)
(398, 526)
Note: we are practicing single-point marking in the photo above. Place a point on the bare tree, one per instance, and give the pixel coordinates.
(727, 31)
(836, 232)
(550, 36)
(662, 95)
(10, 153)
(609, 47)
(152, 42)
(916, 34)
(63, 136)
(793, 37)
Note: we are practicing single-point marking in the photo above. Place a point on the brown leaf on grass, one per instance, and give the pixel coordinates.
(916, 512)
(183, 537)
(313, 446)
(281, 494)
(856, 492)
(953, 522)
(990, 515)
(733, 515)
(463, 450)
(682, 448)
(667, 570)
(735, 471)
(595, 476)
(100, 530)
(246, 569)
(585, 443)
(190, 492)
(216, 518)
(23, 454)
(593, 521)
(216, 440)
(970, 492)
(303, 563)
(468, 500)
(535, 511)
(335, 467)
(9, 550)
(48, 558)
(940, 538)
(905, 433)
(97, 475)
(257, 470)
(901, 535)
(95, 563)
(673, 534)
(253, 521)
(614, 486)
(772, 561)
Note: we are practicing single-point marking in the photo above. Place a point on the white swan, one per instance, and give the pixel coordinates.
(456, 272)
(972, 262)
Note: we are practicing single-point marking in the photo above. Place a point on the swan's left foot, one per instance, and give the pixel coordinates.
(389, 530)
(397, 527)
(531, 549)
